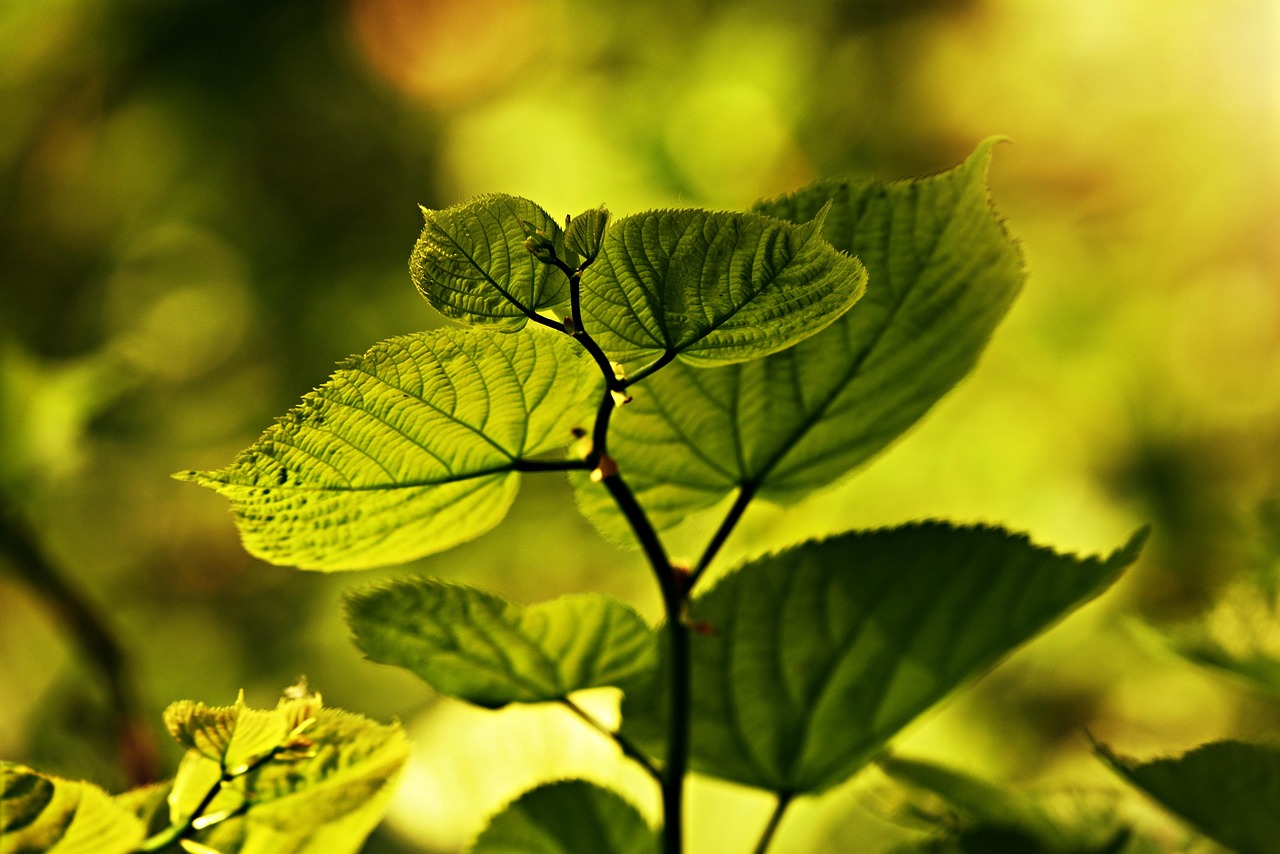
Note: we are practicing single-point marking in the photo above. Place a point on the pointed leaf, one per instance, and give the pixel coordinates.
(815, 657)
(585, 233)
(471, 263)
(573, 817)
(943, 272)
(1227, 790)
(39, 812)
(478, 647)
(410, 449)
(321, 790)
(713, 288)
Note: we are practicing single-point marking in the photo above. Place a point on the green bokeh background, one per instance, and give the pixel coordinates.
(204, 205)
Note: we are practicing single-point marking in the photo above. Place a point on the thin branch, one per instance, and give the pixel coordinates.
(624, 744)
(784, 801)
(139, 753)
(745, 493)
(652, 368)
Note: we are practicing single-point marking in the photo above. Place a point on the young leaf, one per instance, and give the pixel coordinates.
(486, 650)
(1227, 790)
(815, 657)
(571, 817)
(322, 789)
(39, 812)
(714, 288)
(586, 233)
(942, 271)
(471, 263)
(410, 449)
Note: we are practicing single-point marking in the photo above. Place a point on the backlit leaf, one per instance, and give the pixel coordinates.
(1228, 790)
(571, 817)
(471, 264)
(813, 658)
(484, 649)
(41, 813)
(410, 449)
(943, 272)
(585, 233)
(713, 288)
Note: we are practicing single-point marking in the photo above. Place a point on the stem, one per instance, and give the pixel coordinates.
(624, 744)
(745, 493)
(651, 368)
(784, 801)
(139, 753)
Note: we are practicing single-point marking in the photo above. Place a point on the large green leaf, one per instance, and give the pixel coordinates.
(943, 272)
(1228, 790)
(322, 787)
(713, 288)
(813, 658)
(410, 449)
(484, 649)
(573, 817)
(43, 813)
(471, 264)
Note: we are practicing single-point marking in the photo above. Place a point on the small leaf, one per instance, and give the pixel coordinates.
(816, 656)
(410, 449)
(1240, 636)
(586, 233)
(471, 263)
(478, 647)
(39, 812)
(714, 288)
(322, 789)
(943, 272)
(573, 817)
(1227, 790)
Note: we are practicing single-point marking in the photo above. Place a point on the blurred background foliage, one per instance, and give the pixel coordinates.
(204, 205)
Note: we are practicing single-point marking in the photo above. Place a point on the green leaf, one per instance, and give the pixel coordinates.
(1227, 790)
(1239, 636)
(471, 263)
(943, 272)
(978, 811)
(39, 812)
(585, 234)
(573, 817)
(322, 788)
(410, 449)
(816, 656)
(713, 288)
(478, 647)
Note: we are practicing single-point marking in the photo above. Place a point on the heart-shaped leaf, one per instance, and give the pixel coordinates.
(572, 817)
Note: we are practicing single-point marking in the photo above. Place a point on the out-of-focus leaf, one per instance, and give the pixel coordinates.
(943, 272)
(320, 789)
(471, 263)
(484, 649)
(1227, 790)
(410, 449)
(1239, 636)
(713, 288)
(811, 659)
(40, 813)
(572, 817)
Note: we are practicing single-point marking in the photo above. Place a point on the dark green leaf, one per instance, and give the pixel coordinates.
(43, 813)
(478, 647)
(943, 272)
(815, 657)
(1228, 790)
(713, 288)
(471, 262)
(573, 817)
(410, 449)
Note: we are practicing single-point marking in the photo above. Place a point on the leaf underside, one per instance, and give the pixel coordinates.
(818, 655)
(943, 273)
(1228, 790)
(409, 449)
(713, 288)
(569, 817)
(470, 262)
(478, 647)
